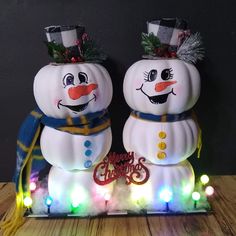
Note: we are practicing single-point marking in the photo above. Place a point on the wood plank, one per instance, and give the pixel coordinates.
(104, 226)
(6, 197)
(184, 225)
(224, 203)
(221, 222)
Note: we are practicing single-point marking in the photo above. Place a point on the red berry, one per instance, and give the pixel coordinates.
(73, 60)
(173, 54)
(167, 54)
(79, 59)
(158, 51)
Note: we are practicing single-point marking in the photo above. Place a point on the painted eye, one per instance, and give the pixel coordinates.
(83, 78)
(68, 79)
(166, 74)
(151, 76)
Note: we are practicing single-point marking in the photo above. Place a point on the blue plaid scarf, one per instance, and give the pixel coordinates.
(162, 118)
(29, 157)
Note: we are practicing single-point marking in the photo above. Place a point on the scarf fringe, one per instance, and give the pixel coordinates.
(199, 142)
(14, 217)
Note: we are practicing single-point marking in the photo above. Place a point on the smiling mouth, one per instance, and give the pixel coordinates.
(77, 108)
(158, 99)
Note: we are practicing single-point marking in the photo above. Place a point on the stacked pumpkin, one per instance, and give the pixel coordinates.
(161, 90)
(75, 92)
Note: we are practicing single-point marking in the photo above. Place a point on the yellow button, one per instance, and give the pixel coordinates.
(162, 145)
(162, 134)
(161, 155)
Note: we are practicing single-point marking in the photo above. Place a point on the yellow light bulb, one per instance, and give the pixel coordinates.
(28, 201)
(204, 179)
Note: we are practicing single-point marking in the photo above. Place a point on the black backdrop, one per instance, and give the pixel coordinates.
(116, 26)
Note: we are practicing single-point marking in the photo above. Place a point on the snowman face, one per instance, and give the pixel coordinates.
(72, 89)
(161, 86)
(165, 84)
(76, 88)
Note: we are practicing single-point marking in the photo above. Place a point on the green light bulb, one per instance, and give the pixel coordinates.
(196, 196)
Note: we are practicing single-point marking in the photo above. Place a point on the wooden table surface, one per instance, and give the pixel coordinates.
(221, 222)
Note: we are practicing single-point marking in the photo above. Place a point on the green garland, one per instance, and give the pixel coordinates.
(150, 42)
(87, 51)
(154, 48)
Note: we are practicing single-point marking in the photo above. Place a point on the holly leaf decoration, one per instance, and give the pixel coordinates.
(86, 50)
(56, 51)
(90, 51)
(150, 43)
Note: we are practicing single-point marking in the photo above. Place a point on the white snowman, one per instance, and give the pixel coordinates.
(161, 91)
(75, 93)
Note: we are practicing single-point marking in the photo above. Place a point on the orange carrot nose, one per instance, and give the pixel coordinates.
(163, 85)
(81, 90)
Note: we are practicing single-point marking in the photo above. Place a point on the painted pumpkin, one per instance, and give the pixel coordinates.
(165, 86)
(175, 180)
(67, 188)
(161, 143)
(74, 152)
(63, 90)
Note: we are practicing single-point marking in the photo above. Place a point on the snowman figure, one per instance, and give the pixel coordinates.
(74, 95)
(161, 89)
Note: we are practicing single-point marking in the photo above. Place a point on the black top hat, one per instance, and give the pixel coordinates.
(171, 38)
(170, 31)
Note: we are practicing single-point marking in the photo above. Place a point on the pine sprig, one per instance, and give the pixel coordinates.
(150, 43)
(191, 50)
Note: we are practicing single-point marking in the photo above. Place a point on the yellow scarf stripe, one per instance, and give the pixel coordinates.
(36, 114)
(134, 115)
(85, 122)
(164, 118)
(28, 171)
(24, 148)
(37, 157)
(86, 130)
(69, 120)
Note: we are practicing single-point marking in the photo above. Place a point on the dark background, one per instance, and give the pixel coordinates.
(117, 26)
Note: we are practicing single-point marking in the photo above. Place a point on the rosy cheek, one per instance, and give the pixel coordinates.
(56, 101)
(97, 94)
(138, 83)
(177, 89)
